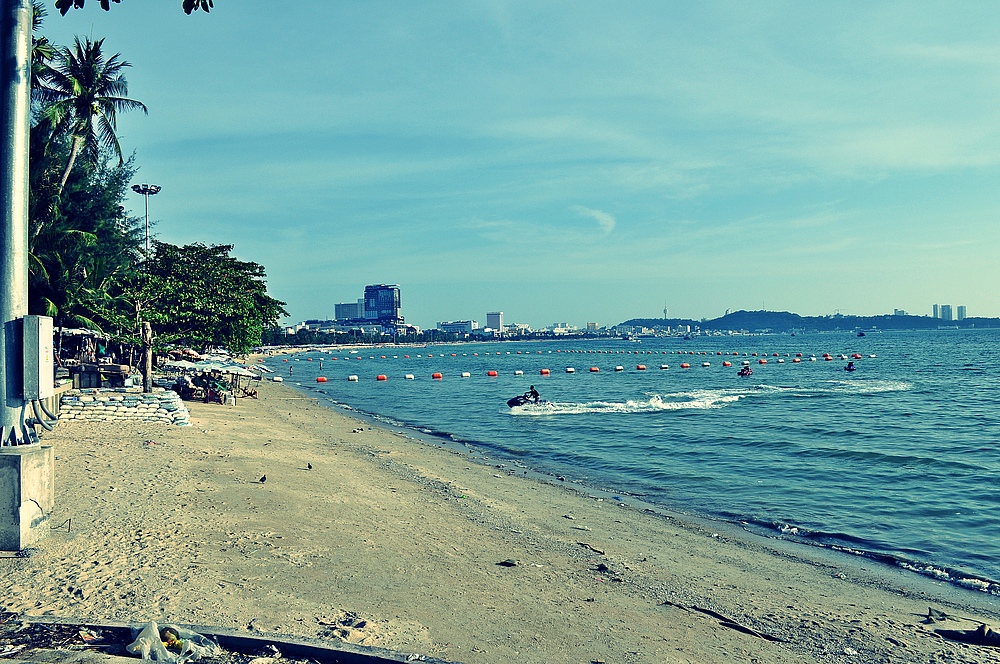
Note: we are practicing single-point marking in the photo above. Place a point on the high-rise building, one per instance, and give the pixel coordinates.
(961, 312)
(494, 320)
(945, 312)
(382, 303)
(349, 310)
(936, 313)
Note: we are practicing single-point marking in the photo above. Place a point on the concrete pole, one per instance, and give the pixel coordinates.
(27, 493)
(15, 82)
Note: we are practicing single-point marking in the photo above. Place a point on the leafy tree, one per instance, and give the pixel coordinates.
(81, 93)
(197, 295)
(189, 5)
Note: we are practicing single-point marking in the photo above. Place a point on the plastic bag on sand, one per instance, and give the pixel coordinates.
(171, 644)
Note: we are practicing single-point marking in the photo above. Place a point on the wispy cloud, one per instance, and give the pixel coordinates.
(605, 221)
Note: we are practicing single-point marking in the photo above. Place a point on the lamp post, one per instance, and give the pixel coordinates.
(146, 190)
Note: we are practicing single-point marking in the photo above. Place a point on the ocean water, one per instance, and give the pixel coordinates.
(899, 460)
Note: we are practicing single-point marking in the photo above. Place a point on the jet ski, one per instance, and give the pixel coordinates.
(745, 371)
(521, 400)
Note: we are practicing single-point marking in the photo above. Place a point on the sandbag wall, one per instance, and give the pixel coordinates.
(123, 404)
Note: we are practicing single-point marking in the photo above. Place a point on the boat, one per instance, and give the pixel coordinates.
(860, 333)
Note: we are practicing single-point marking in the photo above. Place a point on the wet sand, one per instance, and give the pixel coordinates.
(391, 542)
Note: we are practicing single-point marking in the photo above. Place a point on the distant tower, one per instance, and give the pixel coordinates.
(494, 320)
(666, 312)
(946, 312)
(961, 312)
(936, 314)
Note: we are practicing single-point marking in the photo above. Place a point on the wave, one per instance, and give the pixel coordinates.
(845, 543)
(708, 399)
(700, 399)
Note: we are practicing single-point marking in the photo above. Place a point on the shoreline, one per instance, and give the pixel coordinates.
(393, 542)
(962, 581)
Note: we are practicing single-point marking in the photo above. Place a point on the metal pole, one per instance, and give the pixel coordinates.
(146, 196)
(15, 81)
(146, 190)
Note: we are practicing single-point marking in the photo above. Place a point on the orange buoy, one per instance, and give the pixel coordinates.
(407, 356)
(762, 361)
(685, 365)
(492, 374)
(454, 354)
(594, 369)
(545, 372)
(828, 358)
(436, 376)
(640, 367)
(309, 359)
(727, 363)
(796, 360)
(381, 377)
(320, 379)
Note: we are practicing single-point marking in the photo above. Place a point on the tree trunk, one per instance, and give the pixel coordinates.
(77, 140)
(147, 357)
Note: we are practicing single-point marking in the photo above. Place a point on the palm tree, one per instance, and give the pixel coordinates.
(82, 93)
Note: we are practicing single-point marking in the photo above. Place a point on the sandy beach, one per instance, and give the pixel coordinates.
(282, 516)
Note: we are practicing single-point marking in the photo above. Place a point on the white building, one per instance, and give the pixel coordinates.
(459, 326)
(494, 320)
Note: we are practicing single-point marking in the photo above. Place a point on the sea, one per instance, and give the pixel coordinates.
(898, 461)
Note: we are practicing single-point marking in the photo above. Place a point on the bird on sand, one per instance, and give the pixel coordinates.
(263, 478)
(309, 466)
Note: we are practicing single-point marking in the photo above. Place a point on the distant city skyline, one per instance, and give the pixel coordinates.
(575, 162)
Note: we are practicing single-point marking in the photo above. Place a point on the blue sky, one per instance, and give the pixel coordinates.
(575, 161)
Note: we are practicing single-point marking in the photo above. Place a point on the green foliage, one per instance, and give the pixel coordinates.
(80, 92)
(85, 252)
(198, 295)
(188, 5)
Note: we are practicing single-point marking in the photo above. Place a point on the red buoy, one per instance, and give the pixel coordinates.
(320, 379)
(492, 374)
(436, 376)
(381, 377)
(545, 372)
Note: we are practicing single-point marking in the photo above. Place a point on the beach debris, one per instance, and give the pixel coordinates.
(90, 636)
(933, 616)
(171, 644)
(724, 621)
(981, 636)
(569, 516)
(510, 562)
(591, 547)
(732, 624)
(263, 478)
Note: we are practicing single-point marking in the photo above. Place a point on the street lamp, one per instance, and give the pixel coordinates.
(146, 190)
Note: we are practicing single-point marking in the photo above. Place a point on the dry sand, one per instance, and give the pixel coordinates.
(391, 542)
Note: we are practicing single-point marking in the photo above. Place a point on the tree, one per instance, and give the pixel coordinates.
(198, 295)
(82, 93)
(189, 5)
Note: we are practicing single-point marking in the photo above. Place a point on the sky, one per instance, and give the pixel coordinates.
(574, 161)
